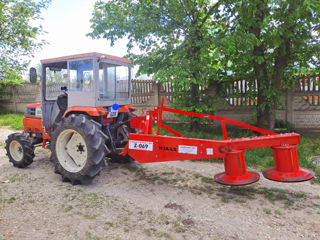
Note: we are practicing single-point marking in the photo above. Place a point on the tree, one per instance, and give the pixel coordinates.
(18, 38)
(174, 39)
(271, 41)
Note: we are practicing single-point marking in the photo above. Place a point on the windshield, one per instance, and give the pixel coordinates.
(56, 77)
(81, 75)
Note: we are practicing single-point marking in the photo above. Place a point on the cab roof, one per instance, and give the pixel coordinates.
(85, 55)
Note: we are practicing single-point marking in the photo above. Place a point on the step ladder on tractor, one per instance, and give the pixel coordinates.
(86, 115)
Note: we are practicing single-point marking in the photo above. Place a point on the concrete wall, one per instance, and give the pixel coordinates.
(17, 98)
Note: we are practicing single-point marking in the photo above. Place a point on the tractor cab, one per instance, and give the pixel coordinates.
(83, 83)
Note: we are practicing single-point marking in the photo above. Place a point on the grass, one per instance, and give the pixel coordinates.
(14, 120)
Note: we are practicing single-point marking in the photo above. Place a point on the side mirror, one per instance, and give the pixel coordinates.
(33, 75)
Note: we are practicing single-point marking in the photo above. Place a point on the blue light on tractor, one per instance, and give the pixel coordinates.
(115, 107)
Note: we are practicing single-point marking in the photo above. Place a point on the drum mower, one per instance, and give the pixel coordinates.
(86, 116)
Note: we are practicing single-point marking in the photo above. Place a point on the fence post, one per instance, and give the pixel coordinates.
(14, 96)
(289, 105)
(157, 88)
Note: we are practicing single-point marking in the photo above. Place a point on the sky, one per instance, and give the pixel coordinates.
(67, 22)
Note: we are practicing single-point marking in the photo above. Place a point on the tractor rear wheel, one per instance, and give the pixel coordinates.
(20, 150)
(78, 149)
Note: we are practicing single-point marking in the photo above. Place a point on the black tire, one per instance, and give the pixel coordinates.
(25, 150)
(128, 116)
(93, 145)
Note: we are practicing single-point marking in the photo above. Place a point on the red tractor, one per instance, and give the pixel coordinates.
(86, 116)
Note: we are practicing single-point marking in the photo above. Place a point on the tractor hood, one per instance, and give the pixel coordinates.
(33, 110)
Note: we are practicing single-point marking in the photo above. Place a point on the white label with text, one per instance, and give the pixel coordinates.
(112, 113)
(188, 149)
(209, 151)
(141, 145)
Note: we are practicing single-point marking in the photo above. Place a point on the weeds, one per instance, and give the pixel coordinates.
(277, 212)
(149, 231)
(90, 236)
(271, 194)
(68, 208)
(9, 200)
(267, 211)
(153, 232)
(91, 200)
(17, 177)
(143, 174)
(178, 228)
(110, 224)
(202, 184)
(86, 216)
(207, 180)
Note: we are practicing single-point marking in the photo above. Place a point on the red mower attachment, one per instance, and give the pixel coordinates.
(145, 148)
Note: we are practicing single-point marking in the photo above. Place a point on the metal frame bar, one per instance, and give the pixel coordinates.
(200, 148)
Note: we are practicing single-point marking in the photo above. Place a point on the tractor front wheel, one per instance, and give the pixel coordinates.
(78, 149)
(20, 150)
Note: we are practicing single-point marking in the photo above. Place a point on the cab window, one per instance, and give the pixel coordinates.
(113, 81)
(56, 75)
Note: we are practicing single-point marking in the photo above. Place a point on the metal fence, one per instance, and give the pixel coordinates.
(309, 87)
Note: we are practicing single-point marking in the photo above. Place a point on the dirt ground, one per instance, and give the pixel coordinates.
(176, 200)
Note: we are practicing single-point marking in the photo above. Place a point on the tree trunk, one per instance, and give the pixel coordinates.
(265, 118)
(265, 108)
(195, 98)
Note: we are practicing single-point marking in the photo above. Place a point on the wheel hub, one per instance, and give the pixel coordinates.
(16, 150)
(71, 150)
(80, 148)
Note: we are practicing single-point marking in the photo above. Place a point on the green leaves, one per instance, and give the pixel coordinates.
(201, 46)
(173, 37)
(269, 41)
(18, 38)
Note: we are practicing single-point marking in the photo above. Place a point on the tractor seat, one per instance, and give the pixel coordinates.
(62, 102)
(60, 107)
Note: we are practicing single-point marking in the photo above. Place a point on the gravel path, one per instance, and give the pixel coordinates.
(4, 132)
(176, 200)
